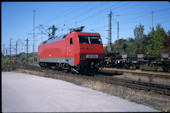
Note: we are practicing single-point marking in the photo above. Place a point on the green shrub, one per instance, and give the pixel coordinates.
(7, 66)
(23, 58)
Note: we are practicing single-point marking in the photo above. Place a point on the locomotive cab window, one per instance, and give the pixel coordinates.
(95, 40)
(83, 40)
(90, 40)
(71, 41)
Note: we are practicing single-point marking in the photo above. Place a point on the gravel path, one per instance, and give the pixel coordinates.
(30, 93)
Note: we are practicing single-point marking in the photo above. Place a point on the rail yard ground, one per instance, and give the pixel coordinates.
(29, 93)
(146, 76)
(149, 98)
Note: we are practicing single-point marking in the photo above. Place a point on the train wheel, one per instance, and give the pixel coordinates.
(41, 64)
(95, 70)
(48, 65)
(68, 68)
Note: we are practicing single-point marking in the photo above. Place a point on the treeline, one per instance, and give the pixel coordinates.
(20, 57)
(155, 42)
(7, 61)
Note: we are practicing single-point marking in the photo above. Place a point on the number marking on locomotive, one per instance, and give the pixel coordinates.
(92, 56)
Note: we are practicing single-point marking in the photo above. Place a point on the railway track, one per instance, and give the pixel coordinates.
(158, 88)
(137, 72)
(103, 77)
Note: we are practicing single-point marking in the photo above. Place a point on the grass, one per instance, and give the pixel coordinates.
(151, 68)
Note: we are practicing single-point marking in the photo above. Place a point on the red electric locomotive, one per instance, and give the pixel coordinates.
(80, 51)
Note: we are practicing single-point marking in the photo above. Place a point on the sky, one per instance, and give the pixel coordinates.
(17, 19)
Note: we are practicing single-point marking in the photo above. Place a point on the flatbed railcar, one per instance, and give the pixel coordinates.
(80, 51)
(125, 61)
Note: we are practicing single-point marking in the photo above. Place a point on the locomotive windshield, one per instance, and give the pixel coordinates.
(90, 40)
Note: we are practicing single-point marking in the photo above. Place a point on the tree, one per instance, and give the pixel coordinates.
(153, 43)
(157, 39)
(121, 46)
(144, 41)
(105, 50)
(138, 33)
(131, 46)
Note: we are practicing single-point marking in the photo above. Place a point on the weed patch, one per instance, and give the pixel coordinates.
(7, 66)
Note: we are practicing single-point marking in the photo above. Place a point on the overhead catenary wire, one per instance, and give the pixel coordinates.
(147, 13)
(93, 15)
(127, 33)
(85, 12)
(60, 15)
(48, 20)
(137, 20)
(93, 22)
(90, 17)
(129, 8)
(22, 35)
